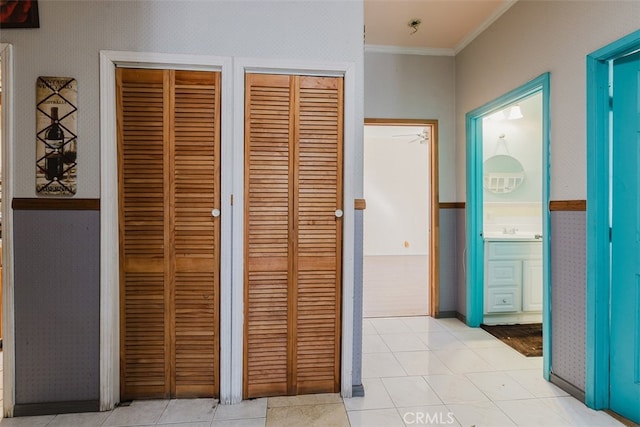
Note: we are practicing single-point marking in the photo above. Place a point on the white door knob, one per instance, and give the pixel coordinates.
(215, 213)
(339, 213)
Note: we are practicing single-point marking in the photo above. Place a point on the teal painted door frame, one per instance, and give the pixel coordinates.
(597, 356)
(474, 212)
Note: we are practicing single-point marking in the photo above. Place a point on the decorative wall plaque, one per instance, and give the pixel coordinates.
(19, 14)
(56, 136)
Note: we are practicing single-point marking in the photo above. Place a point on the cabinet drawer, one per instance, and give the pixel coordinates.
(501, 273)
(503, 300)
(514, 250)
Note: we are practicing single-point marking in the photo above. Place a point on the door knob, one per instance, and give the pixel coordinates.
(339, 213)
(215, 213)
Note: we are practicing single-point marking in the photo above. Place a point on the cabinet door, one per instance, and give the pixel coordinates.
(532, 285)
(504, 273)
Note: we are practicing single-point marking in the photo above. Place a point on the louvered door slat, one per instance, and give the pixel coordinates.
(196, 233)
(293, 167)
(267, 181)
(142, 221)
(169, 160)
(319, 239)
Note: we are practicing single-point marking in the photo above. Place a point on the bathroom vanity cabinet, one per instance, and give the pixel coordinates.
(513, 281)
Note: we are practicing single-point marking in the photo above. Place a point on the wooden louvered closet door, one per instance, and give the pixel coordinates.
(293, 238)
(169, 174)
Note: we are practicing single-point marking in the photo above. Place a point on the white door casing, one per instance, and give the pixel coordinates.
(232, 210)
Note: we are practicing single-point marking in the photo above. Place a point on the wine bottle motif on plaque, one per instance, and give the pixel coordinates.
(54, 150)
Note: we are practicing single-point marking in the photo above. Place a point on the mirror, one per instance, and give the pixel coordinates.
(502, 174)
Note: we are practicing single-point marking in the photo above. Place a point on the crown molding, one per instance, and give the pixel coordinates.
(431, 51)
(506, 5)
(405, 50)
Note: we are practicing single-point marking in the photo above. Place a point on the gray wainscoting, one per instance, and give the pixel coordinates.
(460, 267)
(449, 261)
(568, 296)
(356, 375)
(57, 309)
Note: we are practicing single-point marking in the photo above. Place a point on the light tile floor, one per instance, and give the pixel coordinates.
(416, 371)
(425, 371)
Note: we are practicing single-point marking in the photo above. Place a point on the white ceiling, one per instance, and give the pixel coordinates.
(446, 27)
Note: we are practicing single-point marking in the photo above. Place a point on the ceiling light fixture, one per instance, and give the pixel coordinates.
(414, 24)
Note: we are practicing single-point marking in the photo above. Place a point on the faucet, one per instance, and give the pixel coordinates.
(511, 230)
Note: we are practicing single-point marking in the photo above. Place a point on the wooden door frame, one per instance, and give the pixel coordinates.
(434, 204)
(598, 304)
(352, 134)
(109, 239)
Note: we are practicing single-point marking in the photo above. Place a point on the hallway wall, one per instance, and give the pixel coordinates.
(401, 86)
(68, 43)
(567, 295)
(57, 325)
(531, 38)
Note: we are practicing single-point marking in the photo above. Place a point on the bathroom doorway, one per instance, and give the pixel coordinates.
(512, 212)
(400, 221)
(507, 242)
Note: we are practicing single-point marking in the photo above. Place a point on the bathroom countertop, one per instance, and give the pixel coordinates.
(516, 237)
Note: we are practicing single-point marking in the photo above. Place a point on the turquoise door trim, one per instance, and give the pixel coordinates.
(474, 214)
(598, 218)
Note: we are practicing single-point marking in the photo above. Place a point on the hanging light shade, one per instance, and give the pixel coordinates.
(515, 113)
(497, 116)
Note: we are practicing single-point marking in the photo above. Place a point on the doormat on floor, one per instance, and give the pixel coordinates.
(527, 339)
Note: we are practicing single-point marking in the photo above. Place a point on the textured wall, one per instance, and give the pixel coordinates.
(57, 304)
(531, 38)
(68, 43)
(415, 87)
(356, 373)
(448, 260)
(568, 296)
(461, 262)
(399, 86)
(72, 33)
(453, 290)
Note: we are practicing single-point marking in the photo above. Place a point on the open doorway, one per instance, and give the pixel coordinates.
(512, 213)
(507, 219)
(401, 221)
